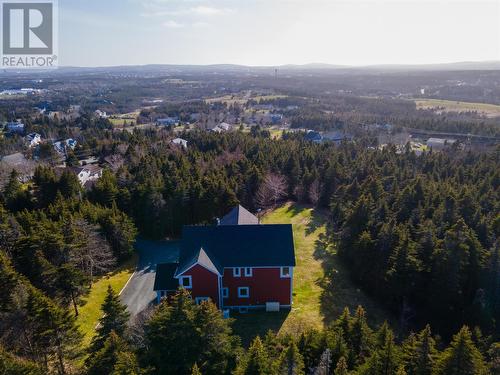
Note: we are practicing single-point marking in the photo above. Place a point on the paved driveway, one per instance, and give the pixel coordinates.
(138, 293)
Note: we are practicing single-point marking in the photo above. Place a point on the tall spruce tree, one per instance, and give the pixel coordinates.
(114, 319)
(462, 357)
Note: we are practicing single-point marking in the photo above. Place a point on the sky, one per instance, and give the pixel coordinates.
(277, 32)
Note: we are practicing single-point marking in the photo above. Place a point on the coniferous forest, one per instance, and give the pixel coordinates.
(418, 233)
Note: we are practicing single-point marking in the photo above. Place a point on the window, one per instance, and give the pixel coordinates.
(185, 282)
(225, 292)
(199, 300)
(244, 292)
(285, 272)
(248, 271)
(236, 272)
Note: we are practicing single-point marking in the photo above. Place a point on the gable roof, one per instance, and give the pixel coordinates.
(239, 215)
(238, 246)
(164, 279)
(203, 259)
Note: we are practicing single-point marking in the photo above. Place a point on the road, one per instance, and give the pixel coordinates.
(138, 292)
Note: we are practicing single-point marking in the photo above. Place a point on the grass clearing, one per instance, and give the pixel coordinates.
(321, 284)
(90, 312)
(489, 110)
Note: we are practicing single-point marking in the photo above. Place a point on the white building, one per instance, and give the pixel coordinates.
(181, 142)
(87, 173)
(33, 139)
(101, 114)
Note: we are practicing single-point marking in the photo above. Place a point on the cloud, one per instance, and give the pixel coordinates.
(171, 24)
(203, 10)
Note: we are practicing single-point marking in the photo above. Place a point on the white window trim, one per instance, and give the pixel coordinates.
(286, 276)
(199, 300)
(225, 292)
(248, 271)
(243, 288)
(236, 272)
(181, 282)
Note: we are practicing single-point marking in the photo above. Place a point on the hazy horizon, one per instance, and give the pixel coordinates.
(277, 32)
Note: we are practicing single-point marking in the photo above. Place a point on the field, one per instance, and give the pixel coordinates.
(242, 99)
(126, 118)
(489, 110)
(90, 312)
(322, 286)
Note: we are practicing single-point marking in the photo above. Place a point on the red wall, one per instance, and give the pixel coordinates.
(265, 285)
(204, 283)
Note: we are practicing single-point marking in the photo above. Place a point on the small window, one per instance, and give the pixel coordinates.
(243, 292)
(199, 300)
(225, 292)
(248, 271)
(285, 272)
(236, 272)
(185, 282)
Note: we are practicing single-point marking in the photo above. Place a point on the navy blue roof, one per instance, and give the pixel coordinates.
(164, 279)
(239, 245)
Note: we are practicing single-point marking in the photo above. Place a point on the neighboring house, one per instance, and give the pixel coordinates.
(181, 142)
(15, 127)
(216, 129)
(225, 126)
(337, 137)
(235, 266)
(276, 118)
(313, 136)
(438, 144)
(61, 146)
(33, 139)
(101, 114)
(87, 174)
(222, 127)
(168, 121)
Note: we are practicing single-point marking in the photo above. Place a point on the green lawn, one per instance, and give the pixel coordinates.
(90, 312)
(318, 297)
(490, 110)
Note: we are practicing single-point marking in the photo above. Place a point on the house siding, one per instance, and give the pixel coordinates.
(265, 285)
(204, 283)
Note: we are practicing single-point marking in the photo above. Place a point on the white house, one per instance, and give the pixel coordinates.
(180, 141)
(101, 114)
(87, 173)
(33, 139)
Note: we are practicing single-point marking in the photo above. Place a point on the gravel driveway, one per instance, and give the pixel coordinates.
(138, 293)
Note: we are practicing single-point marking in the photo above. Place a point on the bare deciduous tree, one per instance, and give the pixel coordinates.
(315, 192)
(271, 191)
(92, 254)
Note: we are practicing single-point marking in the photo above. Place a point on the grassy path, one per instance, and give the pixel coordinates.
(308, 274)
(90, 312)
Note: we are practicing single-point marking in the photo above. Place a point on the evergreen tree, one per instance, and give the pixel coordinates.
(115, 357)
(462, 357)
(114, 319)
(341, 368)
(256, 362)
(195, 370)
(419, 353)
(182, 333)
(291, 362)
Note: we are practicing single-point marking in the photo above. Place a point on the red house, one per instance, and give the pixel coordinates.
(237, 266)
